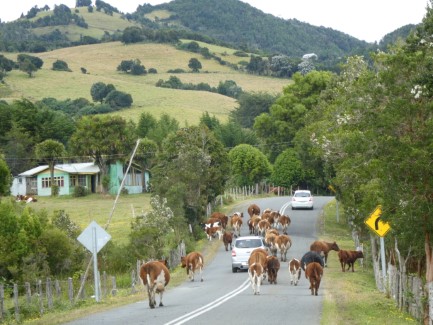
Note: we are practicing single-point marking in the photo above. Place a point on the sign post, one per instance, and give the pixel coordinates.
(381, 229)
(94, 237)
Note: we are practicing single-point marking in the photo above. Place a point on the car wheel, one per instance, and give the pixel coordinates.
(234, 270)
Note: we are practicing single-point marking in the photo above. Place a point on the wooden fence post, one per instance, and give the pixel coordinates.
(70, 290)
(49, 294)
(114, 289)
(28, 293)
(58, 288)
(104, 284)
(41, 298)
(2, 302)
(16, 304)
(83, 292)
(133, 282)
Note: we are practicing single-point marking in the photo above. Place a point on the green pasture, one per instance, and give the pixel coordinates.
(101, 61)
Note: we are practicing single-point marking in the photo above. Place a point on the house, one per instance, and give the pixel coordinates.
(37, 181)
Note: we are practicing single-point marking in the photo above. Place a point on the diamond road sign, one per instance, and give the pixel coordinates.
(86, 237)
(378, 226)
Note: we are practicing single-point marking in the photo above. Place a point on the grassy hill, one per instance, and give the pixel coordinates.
(101, 61)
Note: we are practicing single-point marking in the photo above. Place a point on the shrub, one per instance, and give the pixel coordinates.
(60, 65)
(80, 191)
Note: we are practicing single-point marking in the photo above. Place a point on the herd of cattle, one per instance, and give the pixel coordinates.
(262, 263)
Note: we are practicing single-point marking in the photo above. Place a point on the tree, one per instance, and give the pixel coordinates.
(288, 170)
(132, 35)
(60, 65)
(194, 64)
(250, 106)
(49, 151)
(191, 170)
(287, 115)
(248, 165)
(104, 138)
(145, 156)
(100, 90)
(28, 67)
(83, 3)
(5, 177)
(116, 98)
(145, 124)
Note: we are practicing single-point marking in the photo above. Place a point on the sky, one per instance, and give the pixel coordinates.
(367, 20)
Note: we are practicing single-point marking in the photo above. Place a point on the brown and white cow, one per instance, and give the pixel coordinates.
(262, 227)
(314, 272)
(295, 271)
(257, 265)
(284, 221)
(227, 240)
(283, 244)
(212, 231)
(236, 222)
(193, 262)
(155, 276)
(273, 266)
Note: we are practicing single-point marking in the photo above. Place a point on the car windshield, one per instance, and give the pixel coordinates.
(302, 194)
(248, 243)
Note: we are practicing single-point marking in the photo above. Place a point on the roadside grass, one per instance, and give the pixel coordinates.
(352, 297)
(99, 208)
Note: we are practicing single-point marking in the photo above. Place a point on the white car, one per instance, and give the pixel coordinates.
(242, 249)
(302, 199)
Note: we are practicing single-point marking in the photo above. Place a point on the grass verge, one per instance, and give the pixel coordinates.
(352, 297)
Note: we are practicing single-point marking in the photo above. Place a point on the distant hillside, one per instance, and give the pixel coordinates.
(224, 22)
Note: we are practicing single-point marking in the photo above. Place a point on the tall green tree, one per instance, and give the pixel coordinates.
(5, 177)
(50, 151)
(278, 127)
(106, 139)
(248, 165)
(288, 170)
(191, 171)
(145, 156)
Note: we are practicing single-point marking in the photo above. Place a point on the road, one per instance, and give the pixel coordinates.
(227, 298)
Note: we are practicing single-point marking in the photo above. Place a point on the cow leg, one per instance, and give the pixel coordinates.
(160, 299)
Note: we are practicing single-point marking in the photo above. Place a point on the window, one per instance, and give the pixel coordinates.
(59, 181)
(78, 180)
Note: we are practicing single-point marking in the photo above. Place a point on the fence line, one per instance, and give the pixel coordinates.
(16, 299)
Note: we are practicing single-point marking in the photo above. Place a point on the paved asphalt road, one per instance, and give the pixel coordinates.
(227, 298)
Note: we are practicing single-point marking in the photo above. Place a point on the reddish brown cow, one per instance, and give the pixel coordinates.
(193, 262)
(348, 258)
(155, 276)
(273, 265)
(323, 246)
(227, 239)
(295, 271)
(314, 272)
(223, 218)
(253, 209)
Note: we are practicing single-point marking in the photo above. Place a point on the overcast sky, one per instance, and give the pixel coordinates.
(367, 20)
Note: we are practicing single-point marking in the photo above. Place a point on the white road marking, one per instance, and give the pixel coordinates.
(211, 305)
(284, 207)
